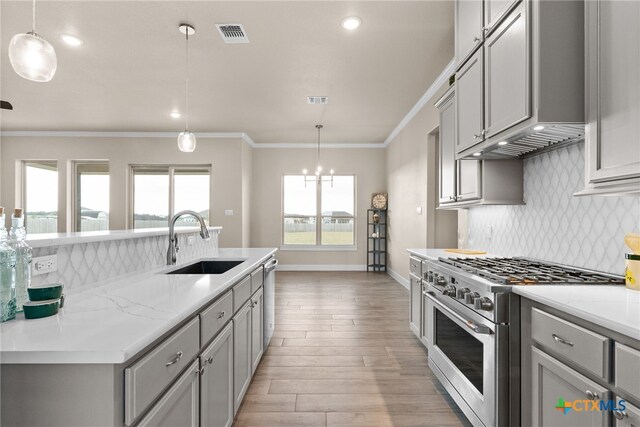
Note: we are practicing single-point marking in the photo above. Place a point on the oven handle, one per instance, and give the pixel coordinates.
(478, 329)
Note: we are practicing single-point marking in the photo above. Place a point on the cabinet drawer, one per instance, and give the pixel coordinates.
(627, 369)
(257, 278)
(145, 379)
(415, 266)
(583, 347)
(241, 293)
(213, 318)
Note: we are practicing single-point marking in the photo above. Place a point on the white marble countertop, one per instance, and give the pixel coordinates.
(58, 239)
(115, 320)
(612, 307)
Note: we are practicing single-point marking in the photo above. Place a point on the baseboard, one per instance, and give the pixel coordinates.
(321, 267)
(398, 278)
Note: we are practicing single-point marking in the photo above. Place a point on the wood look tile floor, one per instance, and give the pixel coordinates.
(342, 355)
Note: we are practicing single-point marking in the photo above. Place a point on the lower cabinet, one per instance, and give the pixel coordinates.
(629, 417)
(554, 386)
(241, 354)
(415, 308)
(257, 329)
(216, 381)
(425, 318)
(180, 404)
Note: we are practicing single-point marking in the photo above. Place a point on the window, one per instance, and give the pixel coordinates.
(40, 196)
(319, 212)
(92, 196)
(161, 191)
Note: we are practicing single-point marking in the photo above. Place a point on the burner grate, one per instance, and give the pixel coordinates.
(523, 271)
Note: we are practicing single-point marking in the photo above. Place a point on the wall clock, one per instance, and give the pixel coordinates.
(379, 200)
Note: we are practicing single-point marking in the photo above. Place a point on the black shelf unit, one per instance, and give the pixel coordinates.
(377, 246)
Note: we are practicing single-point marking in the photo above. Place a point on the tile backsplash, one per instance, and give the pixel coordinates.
(83, 264)
(553, 225)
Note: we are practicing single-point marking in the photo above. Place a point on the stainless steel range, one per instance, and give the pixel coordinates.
(473, 327)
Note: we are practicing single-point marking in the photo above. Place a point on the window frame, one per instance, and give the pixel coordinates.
(74, 221)
(171, 171)
(318, 246)
(23, 164)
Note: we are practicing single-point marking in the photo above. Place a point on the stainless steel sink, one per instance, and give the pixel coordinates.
(207, 267)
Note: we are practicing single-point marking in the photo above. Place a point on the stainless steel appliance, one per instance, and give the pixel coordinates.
(473, 328)
(269, 299)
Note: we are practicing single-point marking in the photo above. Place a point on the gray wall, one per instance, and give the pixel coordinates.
(554, 225)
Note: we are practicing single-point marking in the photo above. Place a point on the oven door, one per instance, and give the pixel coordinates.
(463, 347)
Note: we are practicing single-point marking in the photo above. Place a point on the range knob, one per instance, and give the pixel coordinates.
(430, 276)
(462, 292)
(440, 280)
(483, 303)
(471, 297)
(449, 291)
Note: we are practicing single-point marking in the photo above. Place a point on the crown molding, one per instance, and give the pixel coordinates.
(107, 134)
(431, 91)
(314, 146)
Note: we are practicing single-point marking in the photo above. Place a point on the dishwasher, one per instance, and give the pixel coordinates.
(269, 299)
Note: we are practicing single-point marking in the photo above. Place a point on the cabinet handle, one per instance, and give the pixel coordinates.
(591, 395)
(175, 360)
(562, 340)
(620, 415)
(210, 360)
(200, 371)
(476, 136)
(221, 315)
(476, 39)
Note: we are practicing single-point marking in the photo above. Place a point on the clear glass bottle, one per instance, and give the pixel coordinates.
(17, 236)
(7, 275)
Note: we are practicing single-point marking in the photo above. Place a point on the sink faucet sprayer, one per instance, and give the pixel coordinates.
(173, 238)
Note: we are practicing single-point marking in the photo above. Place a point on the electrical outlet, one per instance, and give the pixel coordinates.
(190, 240)
(228, 212)
(419, 210)
(44, 264)
(488, 232)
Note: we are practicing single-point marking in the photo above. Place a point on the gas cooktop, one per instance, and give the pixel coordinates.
(524, 271)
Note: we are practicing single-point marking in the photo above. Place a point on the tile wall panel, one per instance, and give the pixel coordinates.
(555, 226)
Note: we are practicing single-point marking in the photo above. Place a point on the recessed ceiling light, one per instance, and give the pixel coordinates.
(477, 154)
(351, 22)
(502, 143)
(539, 127)
(176, 115)
(71, 40)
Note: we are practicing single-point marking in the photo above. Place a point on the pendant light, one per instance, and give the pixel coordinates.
(31, 56)
(318, 171)
(187, 139)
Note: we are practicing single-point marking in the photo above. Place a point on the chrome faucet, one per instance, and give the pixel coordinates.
(173, 238)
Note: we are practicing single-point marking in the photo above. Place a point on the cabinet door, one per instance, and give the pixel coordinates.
(415, 309)
(469, 22)
(425, 318)
(257, 329)
(468, 101)
(630, 417)
(553, 384)
(469, 180)
(216, 381)
(241, 354)
(447, 151)
(494, 10)
(507, 76)
(180, 404)
(613, 90)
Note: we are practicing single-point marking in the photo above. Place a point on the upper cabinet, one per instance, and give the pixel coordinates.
(612, 97)
(520, 87)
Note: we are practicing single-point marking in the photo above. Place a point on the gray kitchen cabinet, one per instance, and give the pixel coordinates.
(612, 97)
(216, 382)
(415, 310)
(424, 325)
(180, 404)
(507, 73)
(494, 11)
(241, 354)
(630, 417)
(469, 180)
(468, 27)
(447, 181)
(469, 109)
(257, 329)
(555, 383)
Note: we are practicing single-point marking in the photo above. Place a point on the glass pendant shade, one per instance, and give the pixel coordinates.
(32, 57)
(187, 141)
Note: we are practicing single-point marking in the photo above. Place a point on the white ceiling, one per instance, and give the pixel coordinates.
(129, 74)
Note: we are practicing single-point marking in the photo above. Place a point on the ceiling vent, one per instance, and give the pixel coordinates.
(317, 100)
(232, 33)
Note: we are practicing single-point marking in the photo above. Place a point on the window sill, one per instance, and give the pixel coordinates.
(319, 248)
